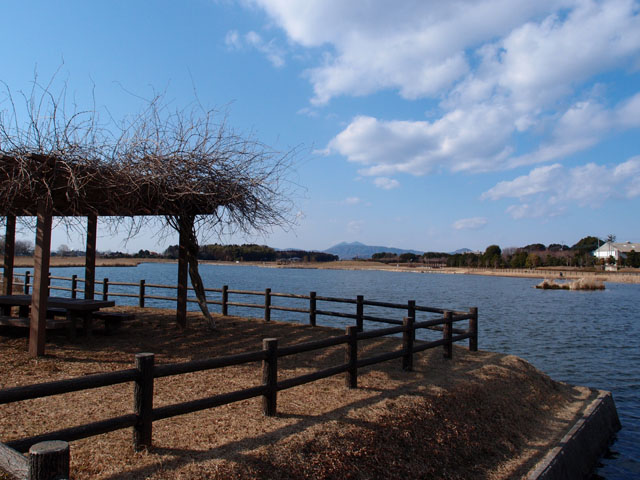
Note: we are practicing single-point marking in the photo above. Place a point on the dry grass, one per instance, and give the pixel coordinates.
(481, 415)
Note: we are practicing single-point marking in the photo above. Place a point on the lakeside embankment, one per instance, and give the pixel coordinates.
(570, 273)
(448, 418)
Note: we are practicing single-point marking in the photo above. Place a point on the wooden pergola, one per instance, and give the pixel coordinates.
(60, 188)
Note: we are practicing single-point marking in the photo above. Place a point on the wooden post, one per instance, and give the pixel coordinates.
(41, 257)
(181, 308)
(27, 276)
(270, 376)
(48, 284)
(105, 289)
(407, 343)
(447, 333)
(9, 254)
(473, 329)
(411, 312)
(49, 461)
(143, 401)
(90, 258)
(141, 294)
(225, 300)
(351, 357)
(312, 309)
(360, 312)
(267, 304)
(74, 286)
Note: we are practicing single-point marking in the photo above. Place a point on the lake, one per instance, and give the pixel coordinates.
(579, 337)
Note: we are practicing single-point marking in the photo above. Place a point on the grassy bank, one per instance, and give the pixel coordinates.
(449, 418)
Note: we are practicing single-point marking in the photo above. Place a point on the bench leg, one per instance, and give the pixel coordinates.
(71, 328)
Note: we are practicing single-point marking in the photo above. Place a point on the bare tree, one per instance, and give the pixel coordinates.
(181, 169)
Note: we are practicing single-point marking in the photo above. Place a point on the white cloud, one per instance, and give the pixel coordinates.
(506, 74)
(386, 183)
(270, 49)
(549, 190)
(470, 223)
(352, 201)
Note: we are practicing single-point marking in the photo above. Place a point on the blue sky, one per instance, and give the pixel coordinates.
(417, 124)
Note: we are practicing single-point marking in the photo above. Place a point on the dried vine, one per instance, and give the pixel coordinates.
(159, 166)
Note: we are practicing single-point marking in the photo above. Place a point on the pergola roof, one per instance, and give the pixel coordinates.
(81, 188)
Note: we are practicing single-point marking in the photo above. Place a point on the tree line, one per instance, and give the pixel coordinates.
(529, 256)
(253, 253)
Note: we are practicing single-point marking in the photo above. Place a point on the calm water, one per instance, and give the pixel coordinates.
(584, 338)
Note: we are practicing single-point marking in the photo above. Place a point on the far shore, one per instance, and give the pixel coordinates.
(569, 273)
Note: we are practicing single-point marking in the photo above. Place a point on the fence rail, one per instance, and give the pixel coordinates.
(49, 445)
(145, 372)
(141, 292)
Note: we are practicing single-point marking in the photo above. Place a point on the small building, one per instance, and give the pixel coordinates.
(615, 250)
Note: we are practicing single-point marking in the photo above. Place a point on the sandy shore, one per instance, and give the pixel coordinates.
(446, 419)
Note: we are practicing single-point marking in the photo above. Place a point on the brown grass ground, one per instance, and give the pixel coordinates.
(480, 415)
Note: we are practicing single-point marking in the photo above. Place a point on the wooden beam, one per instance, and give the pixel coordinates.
(41, 257)
(9, 252)
(90, 258)
(181, 308)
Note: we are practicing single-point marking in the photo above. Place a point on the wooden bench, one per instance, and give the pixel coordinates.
(113, 320)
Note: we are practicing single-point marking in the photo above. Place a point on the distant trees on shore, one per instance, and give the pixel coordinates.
(253, 253)
(529, 256)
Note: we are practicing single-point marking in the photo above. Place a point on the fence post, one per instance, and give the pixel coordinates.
(407, 343)
(143, 401)
(473, 329)
(74, 285)
(49, 284)
(267, 304)
(270, 376)
(312, 309)
(360, 312)
(447, 333)
(49, 460)
(411, 312)
(27, 276)
(105, 289)
(225, 299)
(141, 294)
(351, 357)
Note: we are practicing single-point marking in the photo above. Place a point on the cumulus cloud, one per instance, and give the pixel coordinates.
(470, 223)
(506, 75)
(550, 189)
(386, 183)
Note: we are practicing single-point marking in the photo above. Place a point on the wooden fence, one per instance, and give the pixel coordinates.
(49, 452)
(145, 371)
(268, 303)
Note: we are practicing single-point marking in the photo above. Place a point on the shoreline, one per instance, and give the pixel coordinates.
(627, 276)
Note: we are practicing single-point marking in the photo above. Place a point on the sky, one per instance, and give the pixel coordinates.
(417, 124)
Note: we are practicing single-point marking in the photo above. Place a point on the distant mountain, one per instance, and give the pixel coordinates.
(462, 250)
(347, 251)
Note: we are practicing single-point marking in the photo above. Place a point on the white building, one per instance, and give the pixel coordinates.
(616, 250)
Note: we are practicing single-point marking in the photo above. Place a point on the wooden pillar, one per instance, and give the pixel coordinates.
(41, 257)
(9, 252)
(181, 309)
(90, 258)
